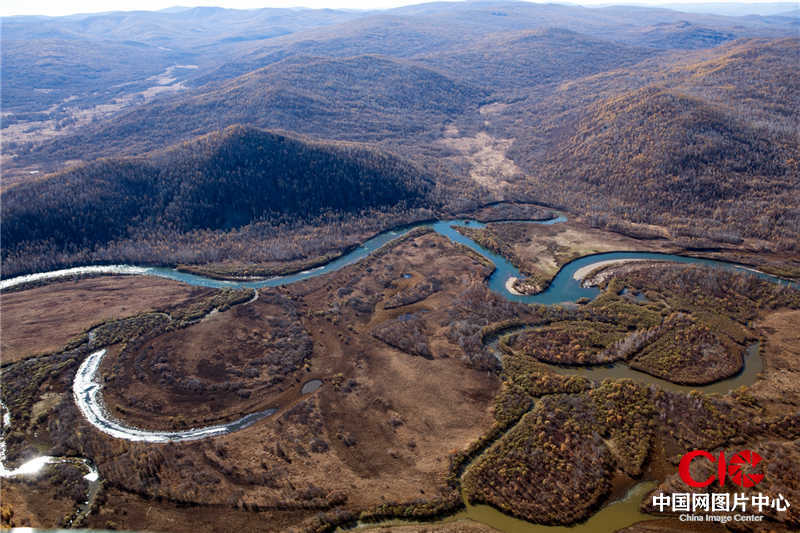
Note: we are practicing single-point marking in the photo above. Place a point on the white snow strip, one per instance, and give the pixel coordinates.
(54, 274)
(86, 391)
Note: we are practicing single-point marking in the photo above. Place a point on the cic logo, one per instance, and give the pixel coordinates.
(733, 469)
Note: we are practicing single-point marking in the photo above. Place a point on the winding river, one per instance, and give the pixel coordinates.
(86, 391)
(563, 288)
(33, 466)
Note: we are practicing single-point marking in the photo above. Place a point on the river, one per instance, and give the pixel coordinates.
(562, 289)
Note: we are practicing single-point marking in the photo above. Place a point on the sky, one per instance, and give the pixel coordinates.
(60, 7)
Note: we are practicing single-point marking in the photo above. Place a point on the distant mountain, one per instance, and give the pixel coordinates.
(683, 35)
(49, 71)
(177, 29)
(94, 59)
(606, 111)
(613, 22)
(734, 9)
(373, 34)
(521, 59)
(61, 57)
(363, 98)
(217, 182)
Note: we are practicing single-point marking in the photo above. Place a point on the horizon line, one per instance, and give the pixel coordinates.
(346, 6)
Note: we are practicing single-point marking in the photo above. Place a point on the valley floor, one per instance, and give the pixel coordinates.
(416, 414)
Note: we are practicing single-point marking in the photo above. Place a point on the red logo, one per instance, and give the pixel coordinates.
(733, 469)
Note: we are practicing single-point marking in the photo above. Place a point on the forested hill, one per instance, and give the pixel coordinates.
(641, 115)
(707, 144)
(219, 181)
(363, 98)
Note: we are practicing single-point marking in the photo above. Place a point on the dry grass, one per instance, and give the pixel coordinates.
(486, 157)
(43, 319)
(780, 383)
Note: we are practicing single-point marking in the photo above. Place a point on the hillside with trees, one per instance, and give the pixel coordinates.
(520, 59)
(648, 116)
(217, 182)
(200, 68)
(707, 147)
(363, 98)
(359, 363)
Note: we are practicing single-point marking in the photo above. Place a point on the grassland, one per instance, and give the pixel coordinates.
(390, 433)
(359, 442)
(42, 320)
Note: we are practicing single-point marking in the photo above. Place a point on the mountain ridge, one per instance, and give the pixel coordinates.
(217, 182)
